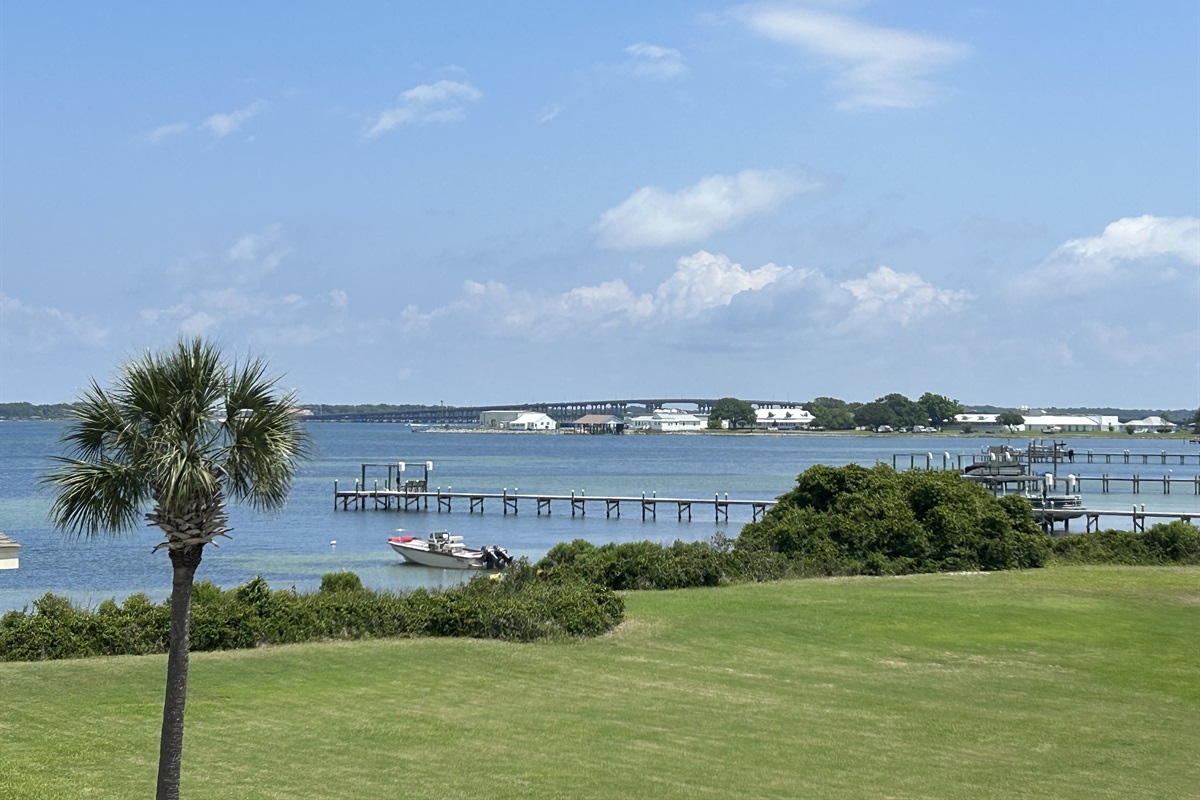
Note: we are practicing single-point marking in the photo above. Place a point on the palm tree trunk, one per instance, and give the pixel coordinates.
(170, 751)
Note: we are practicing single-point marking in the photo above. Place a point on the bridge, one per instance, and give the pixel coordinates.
(562, 411)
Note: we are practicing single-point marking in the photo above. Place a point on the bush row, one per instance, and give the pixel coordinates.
(1175, 542)
(521, 605)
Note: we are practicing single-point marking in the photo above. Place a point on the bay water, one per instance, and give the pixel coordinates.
(311, 538)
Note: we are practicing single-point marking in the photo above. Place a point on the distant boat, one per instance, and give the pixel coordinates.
(448, 552)
(1056, 507)
(999, 462)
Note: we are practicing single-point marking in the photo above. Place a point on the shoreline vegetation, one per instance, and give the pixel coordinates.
(836, 522)
(57, 412)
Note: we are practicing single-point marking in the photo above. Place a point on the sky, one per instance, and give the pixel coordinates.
(488, 203)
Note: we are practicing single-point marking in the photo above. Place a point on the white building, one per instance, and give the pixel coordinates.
(1151, 424)
(1068, 423)
(517, 420)
(782, 418)
(981, 422)
(1041, 423)
(668, 420)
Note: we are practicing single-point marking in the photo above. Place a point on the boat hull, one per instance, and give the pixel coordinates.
(416, 552)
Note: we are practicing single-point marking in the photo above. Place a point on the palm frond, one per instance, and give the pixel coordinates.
(177, 428)
(95, 496)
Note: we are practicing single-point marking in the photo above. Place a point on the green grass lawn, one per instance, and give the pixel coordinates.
(1070, 682)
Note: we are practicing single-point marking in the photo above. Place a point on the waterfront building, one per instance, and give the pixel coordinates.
(782, 418)
(668, 420)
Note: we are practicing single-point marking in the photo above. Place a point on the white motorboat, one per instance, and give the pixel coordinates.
(448, 552)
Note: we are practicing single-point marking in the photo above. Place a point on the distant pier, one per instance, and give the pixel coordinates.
(406, 499)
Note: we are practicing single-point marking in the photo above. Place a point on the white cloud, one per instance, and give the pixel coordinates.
(256, 254)
(197, 324)
(881, 67)
(1147, 248)
(237, 292)
(41, 328)
(443, 101)
(654, 62)
(1136, 239)
(703, 281)
(886, 298)
(163, 131)
(549, 112)
(653, 217)
(222, 125)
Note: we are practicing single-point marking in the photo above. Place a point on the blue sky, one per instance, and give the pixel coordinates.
(478, 203)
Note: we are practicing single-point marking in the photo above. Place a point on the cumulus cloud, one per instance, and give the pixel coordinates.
(655, 62)
(654, 217)
(700, 283)
(704, 281)
(876, 66)
(1136, 239)
(223, 124)
(885, 298)
(427, 104)
(1146, 247)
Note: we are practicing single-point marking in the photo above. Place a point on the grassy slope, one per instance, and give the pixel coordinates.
(1059, 683)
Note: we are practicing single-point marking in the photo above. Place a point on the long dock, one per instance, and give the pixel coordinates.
(1138, 518)
(404, 499)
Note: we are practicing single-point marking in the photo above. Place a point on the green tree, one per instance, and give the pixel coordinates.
(831, 413)
(833, 419)
(907, 412)
(739, 413)
(1196, 421)
(1010, 419)
(876, 415)
(178, 433)
(939, 409)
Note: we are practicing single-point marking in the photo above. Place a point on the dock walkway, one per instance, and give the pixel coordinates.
(404, 499)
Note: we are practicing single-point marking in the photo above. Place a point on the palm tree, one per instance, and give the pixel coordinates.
(177, 434)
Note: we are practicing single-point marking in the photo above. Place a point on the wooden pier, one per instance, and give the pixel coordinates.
(1138, 518)
(405, 499)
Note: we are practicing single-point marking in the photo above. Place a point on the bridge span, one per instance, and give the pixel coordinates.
(560, 411)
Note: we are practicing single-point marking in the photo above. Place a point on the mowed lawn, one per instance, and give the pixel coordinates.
(1074, 682)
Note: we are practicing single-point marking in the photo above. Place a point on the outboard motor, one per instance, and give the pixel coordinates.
(489, 558)
(502, 556)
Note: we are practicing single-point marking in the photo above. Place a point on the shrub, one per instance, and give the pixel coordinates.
(643, 565)
(855, 520)
(1176, 542)
(521, 604)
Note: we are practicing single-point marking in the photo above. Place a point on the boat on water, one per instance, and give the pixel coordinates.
(1053, 508)
(996, 463)
(444, 551)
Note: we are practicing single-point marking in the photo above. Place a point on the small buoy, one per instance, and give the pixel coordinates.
(333, 543)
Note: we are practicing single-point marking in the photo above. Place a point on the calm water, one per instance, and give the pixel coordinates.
(295, 548)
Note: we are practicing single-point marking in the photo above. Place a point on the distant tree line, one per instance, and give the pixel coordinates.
(829, 413)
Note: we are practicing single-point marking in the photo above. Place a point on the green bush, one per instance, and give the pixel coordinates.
(1176, 542)
(853, 520)
(643, 565)
(521, 604)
